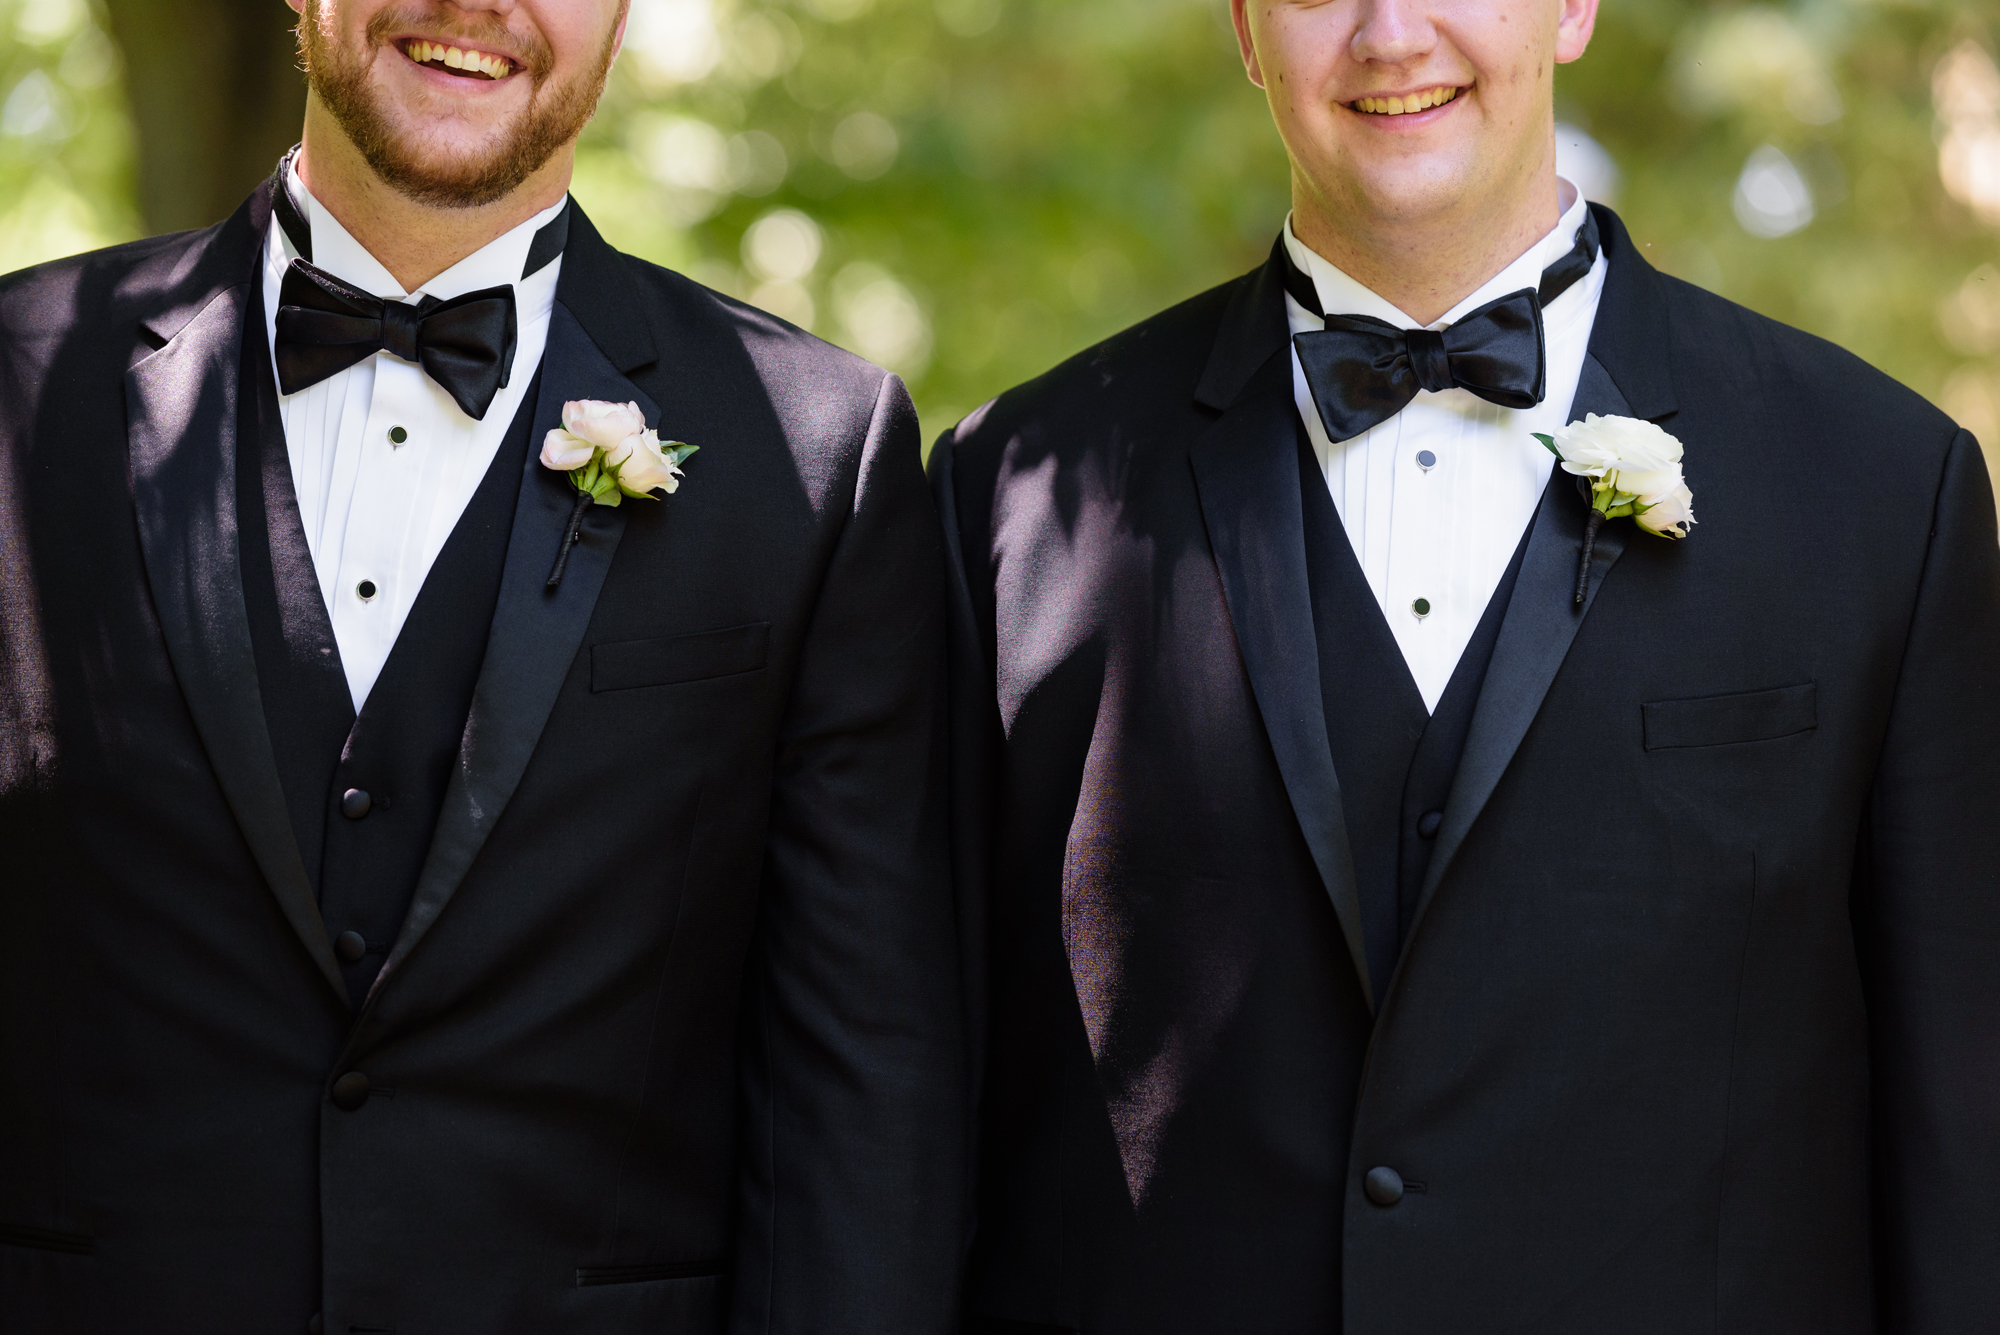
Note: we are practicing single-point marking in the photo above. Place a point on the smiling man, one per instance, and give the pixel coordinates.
(470, 862)
(1437, 887)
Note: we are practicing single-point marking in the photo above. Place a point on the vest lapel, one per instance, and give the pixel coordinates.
(537, 631)
(181, 422)
(1625, 374)
(1247, 474)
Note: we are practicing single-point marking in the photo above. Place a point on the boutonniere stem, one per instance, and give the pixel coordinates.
(1625, 466)
(571, 532)
(609, 453)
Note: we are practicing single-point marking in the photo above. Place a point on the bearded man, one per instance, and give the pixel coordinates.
(1435, 886)
(470, 864)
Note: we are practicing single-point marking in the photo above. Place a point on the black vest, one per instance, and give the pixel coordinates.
(1395, 763)
(364, 792)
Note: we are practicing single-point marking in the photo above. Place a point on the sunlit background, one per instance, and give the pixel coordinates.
(967, 191)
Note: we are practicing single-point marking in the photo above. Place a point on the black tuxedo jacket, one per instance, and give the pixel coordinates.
(671, 1038)
(1697, 1026)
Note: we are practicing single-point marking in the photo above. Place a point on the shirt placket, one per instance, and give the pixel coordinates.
(388, 497)
(1411, 596)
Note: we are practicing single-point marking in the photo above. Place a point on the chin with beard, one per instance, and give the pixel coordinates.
(555, 115)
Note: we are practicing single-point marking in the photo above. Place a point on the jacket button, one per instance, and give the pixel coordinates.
(316, 1326)
(354, 803)
(351, 1091)
(1383, 1185)
(350, 946)
(1427, 824)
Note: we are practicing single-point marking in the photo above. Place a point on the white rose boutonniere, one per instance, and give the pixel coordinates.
(1632, 467)
(609, 453)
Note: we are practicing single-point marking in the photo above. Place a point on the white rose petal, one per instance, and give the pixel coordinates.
(605, 425)
(641, 467)
(564, 452)
(1670, 515)
(1651, 488)
(1600, 445)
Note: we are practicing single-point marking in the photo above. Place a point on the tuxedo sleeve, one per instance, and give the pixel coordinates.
(853, 1133)
(1928, 919)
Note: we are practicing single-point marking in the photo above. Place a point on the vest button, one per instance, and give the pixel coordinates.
(1384, 1186)
(350, 946)
(1427, 824)
(354, 803)
(351, 1091)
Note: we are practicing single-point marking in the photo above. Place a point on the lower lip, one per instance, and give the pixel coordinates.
(1409, 120)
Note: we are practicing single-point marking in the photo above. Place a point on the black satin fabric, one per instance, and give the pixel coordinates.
(1362, 371)
(465, 344)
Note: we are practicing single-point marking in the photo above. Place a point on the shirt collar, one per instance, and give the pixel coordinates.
(496, 264)
(1338, 292)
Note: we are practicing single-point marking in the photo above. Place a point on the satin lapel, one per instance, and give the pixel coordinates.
(1247, 473)
(1626, 374)
(536, 632)
(181, 423)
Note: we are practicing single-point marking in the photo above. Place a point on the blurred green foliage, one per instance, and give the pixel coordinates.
(66, 181)
(970, 190)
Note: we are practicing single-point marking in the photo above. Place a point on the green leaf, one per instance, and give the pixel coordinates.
(1549, 441)
(677, 451)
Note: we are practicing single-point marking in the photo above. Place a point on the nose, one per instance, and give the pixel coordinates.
(1392, 32)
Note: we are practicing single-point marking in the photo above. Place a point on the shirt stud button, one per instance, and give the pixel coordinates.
(1426, 460)
(355, 803)
(1422, 607)
(397, 435)
(365, 590)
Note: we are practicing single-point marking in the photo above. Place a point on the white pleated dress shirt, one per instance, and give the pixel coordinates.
(1444, 533)
(377, 512)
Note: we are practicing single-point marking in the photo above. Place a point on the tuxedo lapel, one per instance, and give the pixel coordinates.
(1625, 374)
(595, 336)
(1247, 473)
(182, 430)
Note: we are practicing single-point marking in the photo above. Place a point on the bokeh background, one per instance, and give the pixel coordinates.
(969, 190)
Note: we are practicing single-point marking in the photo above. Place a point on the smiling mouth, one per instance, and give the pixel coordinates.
(467, 64)
(1404, 106)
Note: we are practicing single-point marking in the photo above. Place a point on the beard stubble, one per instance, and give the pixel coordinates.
(554, 116)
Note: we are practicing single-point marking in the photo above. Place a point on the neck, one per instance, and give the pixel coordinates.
(414, 242)
(1426, 266)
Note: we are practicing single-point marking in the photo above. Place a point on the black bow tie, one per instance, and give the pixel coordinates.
(465, 344)
(1363, 371)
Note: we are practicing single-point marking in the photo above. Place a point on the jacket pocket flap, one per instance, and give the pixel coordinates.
(678, 658)
(1755, 716)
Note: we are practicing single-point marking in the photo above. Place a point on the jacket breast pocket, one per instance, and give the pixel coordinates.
(1719, 720)
(673, 659)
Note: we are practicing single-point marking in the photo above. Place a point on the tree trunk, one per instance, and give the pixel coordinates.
(216, 96)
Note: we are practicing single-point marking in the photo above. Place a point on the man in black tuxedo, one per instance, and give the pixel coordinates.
(399, 937)
(1385, 934)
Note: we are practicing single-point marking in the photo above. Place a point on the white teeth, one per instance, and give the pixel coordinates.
(452, 57)
(1403, 106)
